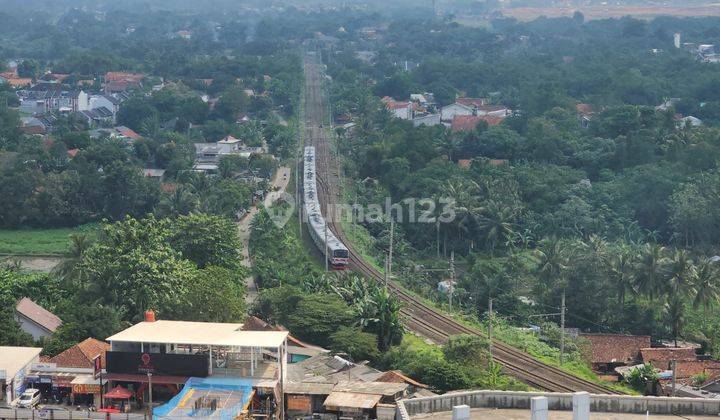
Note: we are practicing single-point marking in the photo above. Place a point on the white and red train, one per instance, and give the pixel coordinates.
(337, 253)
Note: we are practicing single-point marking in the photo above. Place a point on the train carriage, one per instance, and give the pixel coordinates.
(337, 253)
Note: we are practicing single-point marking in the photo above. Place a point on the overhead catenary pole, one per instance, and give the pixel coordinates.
(388, 269)
(452, 278)
(327, 258)
(298, 199)
(562, 327)
(490, 326)
(437, 236)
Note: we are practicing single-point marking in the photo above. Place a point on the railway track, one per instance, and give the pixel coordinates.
(419, 317)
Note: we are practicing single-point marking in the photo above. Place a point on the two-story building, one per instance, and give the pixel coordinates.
(200, 368)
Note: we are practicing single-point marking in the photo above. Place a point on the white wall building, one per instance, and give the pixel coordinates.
(15, 364)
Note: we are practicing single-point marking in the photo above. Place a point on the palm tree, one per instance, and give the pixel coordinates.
(675, 312)
(705, 286)
(651, 271)
(553, 261)
(680, 272)
(497, 224)
(179, 202)
(68, 269)
(620, 271)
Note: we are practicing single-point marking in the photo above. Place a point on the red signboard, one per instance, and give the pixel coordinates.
(97, 365)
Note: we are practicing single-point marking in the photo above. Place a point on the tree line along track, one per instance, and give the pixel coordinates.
(419, 317)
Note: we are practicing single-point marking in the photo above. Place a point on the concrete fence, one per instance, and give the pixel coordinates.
(22, 413)
(557, 402)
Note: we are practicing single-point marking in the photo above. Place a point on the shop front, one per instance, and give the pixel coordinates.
(87, 391)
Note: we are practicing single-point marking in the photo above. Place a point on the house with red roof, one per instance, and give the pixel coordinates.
(399, 109)
(467, 123)
(608, 351)
(36, 320)
(82, 354)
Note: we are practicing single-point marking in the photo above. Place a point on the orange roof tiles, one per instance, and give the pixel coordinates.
(396, 376)
(687, 369)
(616, 348)
(478, 102)
(584, 109)
(465, 123)
(121, 76)
(662, 356)
(81, 355)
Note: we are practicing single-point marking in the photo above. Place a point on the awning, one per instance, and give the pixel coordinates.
(156, 379)
(118, 393)
(87, 380)
(338, 400)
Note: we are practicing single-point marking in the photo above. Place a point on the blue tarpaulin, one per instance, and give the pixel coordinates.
(220, 398)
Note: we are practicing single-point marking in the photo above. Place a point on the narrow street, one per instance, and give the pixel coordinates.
(279, 182)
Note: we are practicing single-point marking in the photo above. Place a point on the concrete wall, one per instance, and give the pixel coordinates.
(560, 402)
(36, 331)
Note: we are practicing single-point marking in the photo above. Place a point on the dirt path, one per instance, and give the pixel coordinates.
(282, 177)
(38, 264)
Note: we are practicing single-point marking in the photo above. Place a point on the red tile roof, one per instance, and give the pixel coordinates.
(478, 102)
(584, 109)
(661, 357)
(129, 133)
(464, 163)
(465, 123)
(38, 314)
(397, 105)
(616, 348)
(17, 82)
(687, 369)
(396, 376)
(73, 152)
(81, 355)
(121, 76)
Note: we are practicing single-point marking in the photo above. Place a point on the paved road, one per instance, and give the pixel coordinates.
(282, 177)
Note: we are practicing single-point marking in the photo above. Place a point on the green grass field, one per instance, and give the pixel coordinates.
(39, 241)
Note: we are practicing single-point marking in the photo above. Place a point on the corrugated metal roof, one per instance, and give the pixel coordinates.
(350, 399)
(381, 388)
(309, 388)
(199, 333)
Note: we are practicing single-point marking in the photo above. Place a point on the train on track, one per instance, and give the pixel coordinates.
(333, 249)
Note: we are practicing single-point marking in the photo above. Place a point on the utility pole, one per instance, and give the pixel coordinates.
(298, 199)
(490, 325)
(562, 328)
(327, 258)
(673, 364)
(150, 402)
(452, 278)
(437, 233)
(388, 269)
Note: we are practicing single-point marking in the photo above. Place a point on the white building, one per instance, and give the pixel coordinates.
(448, 112)
(15, 364)
(36, 320)
(402, 110)
(430, 119)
